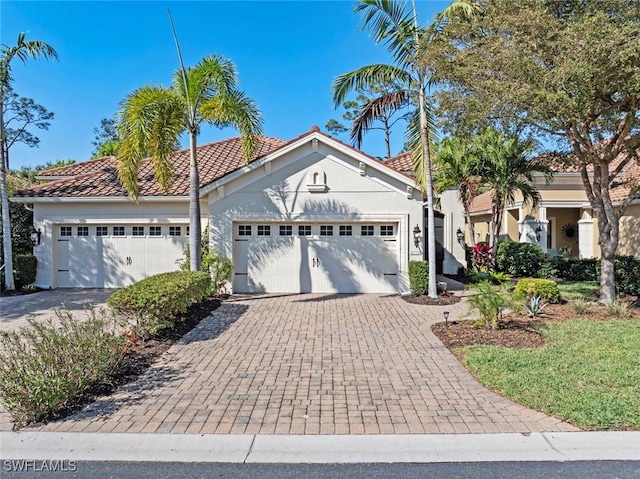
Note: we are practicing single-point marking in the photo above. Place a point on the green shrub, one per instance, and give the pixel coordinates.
(46, 367)
(581, 305)
(418, 276)
(218, 266)
(627, 271)
(25, 266)
(489, 301)
(576, 269)
(155, 302)
(519, 259)
(546, 288)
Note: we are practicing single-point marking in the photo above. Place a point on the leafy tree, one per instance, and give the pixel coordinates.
(19, 114)
(458, 166)
(568, 69)
(152, 118)
(23, 50)
(366, 111)
(507, 170)
(106, 139)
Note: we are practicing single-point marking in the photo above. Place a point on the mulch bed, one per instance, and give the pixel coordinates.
(443, 299)
(516, 330)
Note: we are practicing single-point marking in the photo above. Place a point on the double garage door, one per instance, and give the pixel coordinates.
(114, 256)
(316, 257)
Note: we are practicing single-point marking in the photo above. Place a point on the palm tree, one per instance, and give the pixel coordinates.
(457, 167)
(151, 120)
(507, 171)
(397, 27)
(23, 50)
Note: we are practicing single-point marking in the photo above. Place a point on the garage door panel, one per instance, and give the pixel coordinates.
(323, 264)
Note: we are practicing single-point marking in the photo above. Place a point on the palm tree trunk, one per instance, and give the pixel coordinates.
(387, 137)
(472, 230)
(428, 181)
(195, 228)
(4, 192)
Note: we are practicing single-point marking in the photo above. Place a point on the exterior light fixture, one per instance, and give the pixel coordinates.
(460, 236)
(36, 236)
(446, 318)
(416, 236)
(538, 232)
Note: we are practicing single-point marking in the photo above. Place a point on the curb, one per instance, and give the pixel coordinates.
(432, 448)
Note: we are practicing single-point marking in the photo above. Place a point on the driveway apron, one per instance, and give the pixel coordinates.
(310, 364)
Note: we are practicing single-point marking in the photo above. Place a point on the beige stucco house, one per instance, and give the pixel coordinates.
(564, 219)
(307, 215)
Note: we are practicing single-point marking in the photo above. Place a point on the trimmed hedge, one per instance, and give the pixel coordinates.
(25, 266)
(575, 269)
(418, 276)
(519, 259)
(627, 270)
(546, 288)
(157, 301)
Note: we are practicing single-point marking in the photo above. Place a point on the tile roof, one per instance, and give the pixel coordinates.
(401, 163)
(99, 177)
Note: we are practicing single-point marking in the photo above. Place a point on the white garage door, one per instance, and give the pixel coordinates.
(114, 256)
(316, 257)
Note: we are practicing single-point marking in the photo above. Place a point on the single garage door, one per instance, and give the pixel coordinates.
(316, 257)
(114, 256)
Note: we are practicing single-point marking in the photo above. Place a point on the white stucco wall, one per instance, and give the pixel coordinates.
(279, 192)
(453, 212)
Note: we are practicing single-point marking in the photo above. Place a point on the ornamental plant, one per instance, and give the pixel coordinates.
(482, 257)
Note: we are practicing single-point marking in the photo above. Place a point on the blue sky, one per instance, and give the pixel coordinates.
(287, 54)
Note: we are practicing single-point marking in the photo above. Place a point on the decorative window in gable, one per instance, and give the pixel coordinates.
(316, 180)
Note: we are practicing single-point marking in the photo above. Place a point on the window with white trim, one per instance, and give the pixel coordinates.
(102, 231)
(286, 230)
(244, 230)
(386, 230)
(175, 230)
(118, 231)
(304, 230)
(264, 230)
(326, 230)
(366, 230)
(155, 231)
(346, 230)
(138, 231)
(83, 231)
(65, 231)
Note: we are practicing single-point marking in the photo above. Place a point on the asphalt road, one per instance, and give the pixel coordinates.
(470, 470)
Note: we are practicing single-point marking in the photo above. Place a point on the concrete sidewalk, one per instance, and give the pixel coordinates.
(560, 446)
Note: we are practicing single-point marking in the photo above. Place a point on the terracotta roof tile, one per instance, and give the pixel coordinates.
(482, 203)
(99, 177)
(401, 163)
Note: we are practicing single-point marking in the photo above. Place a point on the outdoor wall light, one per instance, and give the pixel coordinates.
(538, 232)
(446, 318)
(36, 236)
(416, 236)
(460, 236)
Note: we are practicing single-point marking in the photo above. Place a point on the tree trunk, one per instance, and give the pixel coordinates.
(387, 137)
(472, 230)
(4, 192)
(195, 228)
(608, 241)
(428, 180)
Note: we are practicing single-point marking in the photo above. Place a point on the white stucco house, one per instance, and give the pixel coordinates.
(307, 215)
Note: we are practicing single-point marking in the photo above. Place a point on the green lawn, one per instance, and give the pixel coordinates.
(588, 373)
(577, 289)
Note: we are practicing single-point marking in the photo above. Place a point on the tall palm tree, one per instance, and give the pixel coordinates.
(23, 50)
(152, 118)
(457, 167)
(507, 171)
(396, 26)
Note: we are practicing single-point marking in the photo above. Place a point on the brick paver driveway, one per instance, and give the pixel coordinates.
(310, 364)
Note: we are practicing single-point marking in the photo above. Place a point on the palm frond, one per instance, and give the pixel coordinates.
(392, 24)
(150, 122)
(366, 77)
(213, 75)
(386, 104)
(23, 50)
(239, 111)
